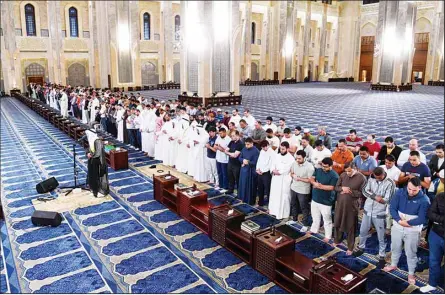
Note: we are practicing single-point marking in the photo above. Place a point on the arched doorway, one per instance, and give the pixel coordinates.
(177, 72)
(366, 58)
(76, 75)
(254, 76)
(149, 74)
(421, 41)
(35, 73)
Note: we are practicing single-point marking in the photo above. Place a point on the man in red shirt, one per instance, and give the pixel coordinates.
(372, 145)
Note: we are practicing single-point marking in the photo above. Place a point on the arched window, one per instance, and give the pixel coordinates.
(177, 27)
(74, 25)
(253, 33)
(30, 18)
(147, 26)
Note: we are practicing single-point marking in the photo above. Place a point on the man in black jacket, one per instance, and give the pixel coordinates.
(436, 214)
(437, 161)
(390, 148)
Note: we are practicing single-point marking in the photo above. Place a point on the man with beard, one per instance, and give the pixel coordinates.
(233, 150)
(279, 201)
(390, 148)
(165, 138)
(323, 183)
(301, 172)
(349, 191)
(248, 177)
(97, 165)
(182, 139)
(409, 208)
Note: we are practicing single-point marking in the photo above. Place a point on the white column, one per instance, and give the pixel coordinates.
(102, 42)
(183, 52)
(263, 51)
(235, 42)
(306, 40)
(10, 69)
(55, 66)
(91, 57)
(167, 23)
(247, 40)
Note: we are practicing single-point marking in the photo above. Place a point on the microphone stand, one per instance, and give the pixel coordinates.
(75, 173)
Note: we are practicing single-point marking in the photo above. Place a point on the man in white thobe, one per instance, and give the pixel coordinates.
(183, 150)
(148, 127)
(279, 200)
(165, 139)
(120, 122)
(173, 148)
(64, 104)
(199, 154)
(192, 136)
(84, 106)
(95, 105)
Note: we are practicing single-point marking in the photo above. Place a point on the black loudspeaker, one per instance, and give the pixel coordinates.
(47, 185)
(44, 218)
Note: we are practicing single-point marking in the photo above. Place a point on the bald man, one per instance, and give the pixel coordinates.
(404, 155)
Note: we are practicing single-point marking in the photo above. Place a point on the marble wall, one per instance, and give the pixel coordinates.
(322, 38)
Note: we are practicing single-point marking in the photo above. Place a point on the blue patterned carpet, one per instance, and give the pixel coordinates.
(132, 243)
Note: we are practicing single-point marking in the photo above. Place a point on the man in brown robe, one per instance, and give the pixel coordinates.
(349, 191)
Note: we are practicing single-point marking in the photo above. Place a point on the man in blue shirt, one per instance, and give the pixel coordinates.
(364, 162)
(408, 209)
(415, 168)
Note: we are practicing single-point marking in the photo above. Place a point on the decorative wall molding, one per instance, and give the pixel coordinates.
(370, 8)
(149, 46)
(32, 43)
(75, 44)
(255, 49)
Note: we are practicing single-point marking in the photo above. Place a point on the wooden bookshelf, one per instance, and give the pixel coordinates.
(292, 272)
(267, 250)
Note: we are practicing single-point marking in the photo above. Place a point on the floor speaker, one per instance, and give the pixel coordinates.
(45, 218)
(47, 185)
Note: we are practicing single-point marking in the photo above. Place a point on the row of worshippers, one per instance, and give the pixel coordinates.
(122, 116)
(317, 192)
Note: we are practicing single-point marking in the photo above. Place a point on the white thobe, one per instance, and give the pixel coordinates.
(148, 127)
(64, 105)
(173, 143)
(165, 144)
(84, 112)
(95, 103)
(182, 157)
(279, 201)
(52, 99)
(120, 124)
(199, 156)
(191, 136)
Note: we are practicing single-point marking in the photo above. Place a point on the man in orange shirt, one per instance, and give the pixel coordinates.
(341, 156)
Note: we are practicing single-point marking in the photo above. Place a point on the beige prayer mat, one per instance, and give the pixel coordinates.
(71, 202)
(183, 178)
